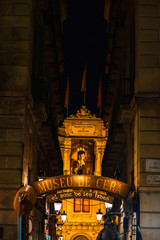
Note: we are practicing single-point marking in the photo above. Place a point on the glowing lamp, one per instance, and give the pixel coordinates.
(63, 216)
(57, 206)
(99, 215)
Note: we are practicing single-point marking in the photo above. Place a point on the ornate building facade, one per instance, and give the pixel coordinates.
(82, 140)
(31, 110)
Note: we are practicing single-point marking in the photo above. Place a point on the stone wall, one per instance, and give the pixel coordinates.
(22, 148)
(147, 117)
(15, 44)
(15, 65)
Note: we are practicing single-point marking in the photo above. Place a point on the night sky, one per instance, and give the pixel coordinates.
(84, 41)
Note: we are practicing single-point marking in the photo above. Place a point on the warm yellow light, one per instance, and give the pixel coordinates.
(57, 206)
(63, 216)
(99, 215)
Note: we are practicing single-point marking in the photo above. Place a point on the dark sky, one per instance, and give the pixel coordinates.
(84, 42)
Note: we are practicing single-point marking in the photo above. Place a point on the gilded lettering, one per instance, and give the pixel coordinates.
(81, 181)
(49, 185)
(65, 195)
(106, 184)
(88, 181)
(69, 181)
(77, 194)
(118, 189)
(85, 194)
(98, 183)
(70, 194)
(56, 183)
(62, 182)
(112, 186)
(54, 198)
(41, 187)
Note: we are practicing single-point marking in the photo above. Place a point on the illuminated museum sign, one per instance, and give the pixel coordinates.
(111, 186)
(72, 186)
(80, 194)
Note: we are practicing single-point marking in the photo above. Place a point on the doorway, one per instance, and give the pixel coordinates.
(80, 237)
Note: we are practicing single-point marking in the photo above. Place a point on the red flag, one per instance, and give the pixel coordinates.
(83, 86)
(99, 94)
(67, 95)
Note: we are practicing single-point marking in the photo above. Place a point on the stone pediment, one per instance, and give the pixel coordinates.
(83, 123)
(83, 113)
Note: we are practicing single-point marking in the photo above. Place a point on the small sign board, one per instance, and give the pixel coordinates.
(153, 179)
(152, 165)
(80, 129)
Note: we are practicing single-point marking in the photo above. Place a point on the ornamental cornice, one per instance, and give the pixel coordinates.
(83, 123)
(83, 113)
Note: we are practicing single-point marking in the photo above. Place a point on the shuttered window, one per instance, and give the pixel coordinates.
(81, 205)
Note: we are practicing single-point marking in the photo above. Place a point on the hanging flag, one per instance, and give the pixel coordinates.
(67, 96)
(83, 86)
(99, 94)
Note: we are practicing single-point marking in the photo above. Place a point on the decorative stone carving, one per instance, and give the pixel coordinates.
(83, 113)
(81, 125)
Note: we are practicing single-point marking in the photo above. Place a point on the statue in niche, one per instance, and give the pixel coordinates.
(79, 165)
(82, 159)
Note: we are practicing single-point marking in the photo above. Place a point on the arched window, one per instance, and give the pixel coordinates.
(80, 237)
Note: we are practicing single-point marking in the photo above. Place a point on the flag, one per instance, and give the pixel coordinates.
(99, 94)
(67, 95)
(83, 86)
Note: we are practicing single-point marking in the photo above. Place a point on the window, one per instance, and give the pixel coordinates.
(81, 205)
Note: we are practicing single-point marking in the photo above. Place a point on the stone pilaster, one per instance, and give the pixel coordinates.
(65, 146)
(99, 147)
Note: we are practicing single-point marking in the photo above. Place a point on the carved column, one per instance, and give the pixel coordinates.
(99, 147)
(65, 146)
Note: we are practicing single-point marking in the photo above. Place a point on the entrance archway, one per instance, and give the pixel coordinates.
(51, 185)
(80, 237)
